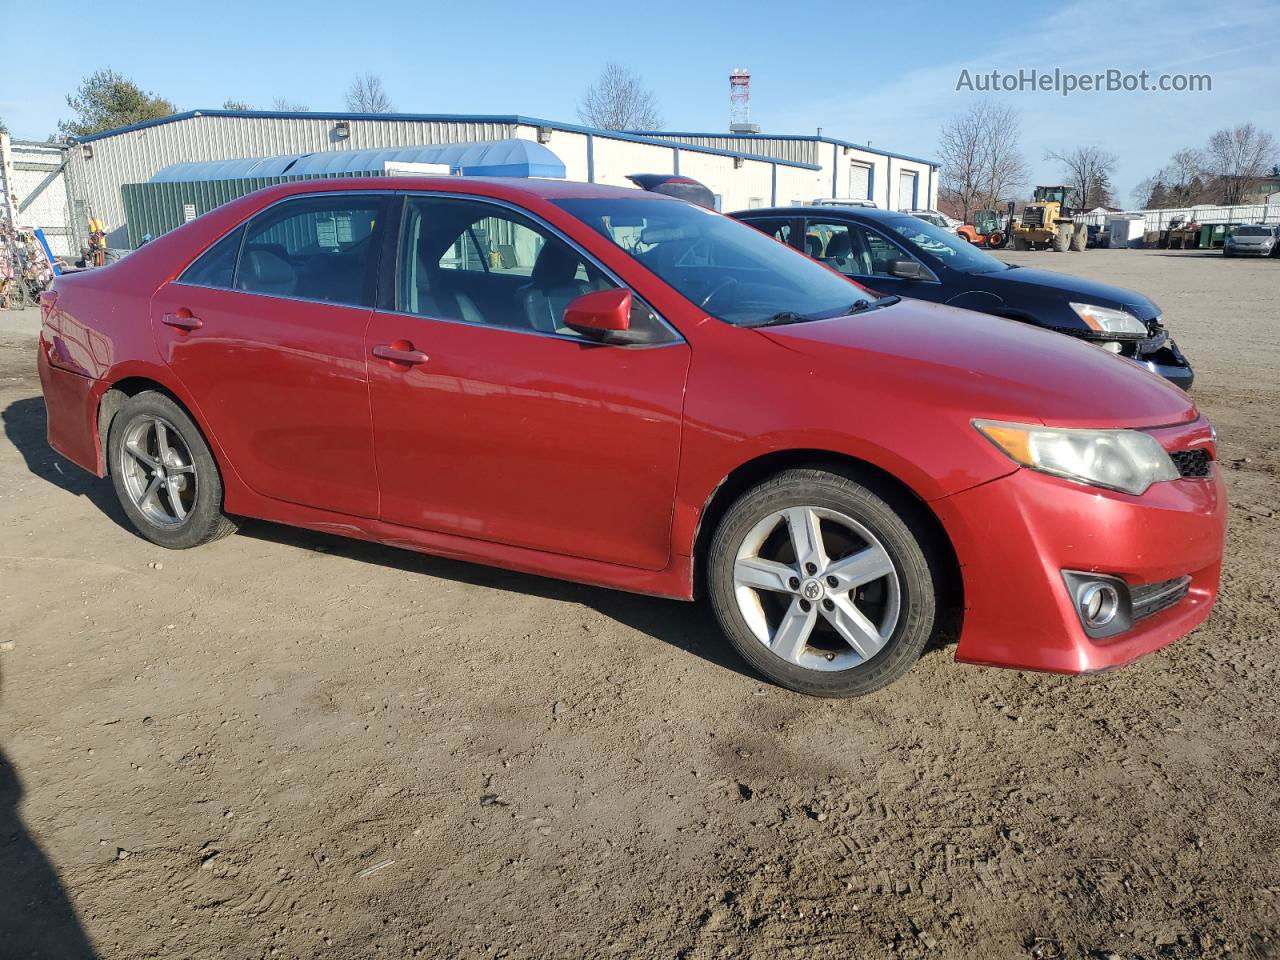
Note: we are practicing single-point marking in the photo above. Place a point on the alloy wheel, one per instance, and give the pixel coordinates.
(817, 588)
(158, 471)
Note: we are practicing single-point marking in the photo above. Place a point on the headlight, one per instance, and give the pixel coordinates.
(1124, 460)
(1108, 320)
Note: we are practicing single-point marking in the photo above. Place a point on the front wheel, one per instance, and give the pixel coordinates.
(821, 585)
(164, 473)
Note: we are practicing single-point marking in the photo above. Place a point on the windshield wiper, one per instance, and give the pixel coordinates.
(859, 305)
(790, 316)
(778, 319)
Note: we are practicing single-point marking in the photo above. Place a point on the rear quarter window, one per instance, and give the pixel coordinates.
(216, 267)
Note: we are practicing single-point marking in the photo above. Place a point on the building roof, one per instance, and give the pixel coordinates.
(513, 118)
(785, 136)
(494, 158)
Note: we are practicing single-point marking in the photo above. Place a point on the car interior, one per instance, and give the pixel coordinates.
(314, 254)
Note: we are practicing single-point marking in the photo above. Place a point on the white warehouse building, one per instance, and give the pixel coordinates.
(743, 171)
(893, 181)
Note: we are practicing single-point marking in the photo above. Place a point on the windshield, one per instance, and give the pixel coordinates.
(731, 270)
(1255, 231)
(952, 250)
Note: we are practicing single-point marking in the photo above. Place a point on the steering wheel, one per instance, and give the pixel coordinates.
(718, 289)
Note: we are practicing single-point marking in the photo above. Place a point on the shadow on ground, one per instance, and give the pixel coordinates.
(25, 424)
(36, 916)
(687, 626)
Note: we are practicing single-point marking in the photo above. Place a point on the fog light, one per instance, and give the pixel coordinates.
(1102, 602)
(1099, 603)
(1112, 346)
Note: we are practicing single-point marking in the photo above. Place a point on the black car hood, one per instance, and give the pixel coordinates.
(1081, 290)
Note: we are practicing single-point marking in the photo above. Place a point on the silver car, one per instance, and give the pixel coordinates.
(1256, 240)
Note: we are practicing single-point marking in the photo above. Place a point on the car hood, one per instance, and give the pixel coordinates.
(1082, 291)
(984, 366)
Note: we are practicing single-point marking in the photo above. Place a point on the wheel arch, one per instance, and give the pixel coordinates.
(896, 492)
(131, 384)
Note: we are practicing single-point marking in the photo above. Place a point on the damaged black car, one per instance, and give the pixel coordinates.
(893, 253)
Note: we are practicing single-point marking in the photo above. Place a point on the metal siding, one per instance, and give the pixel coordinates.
(135, 155)
(795, 151)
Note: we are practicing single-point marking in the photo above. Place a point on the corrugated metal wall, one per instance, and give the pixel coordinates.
(795, 151)
(132, 157)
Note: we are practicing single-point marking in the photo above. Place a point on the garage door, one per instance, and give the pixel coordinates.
(859, 182)
(906, 191)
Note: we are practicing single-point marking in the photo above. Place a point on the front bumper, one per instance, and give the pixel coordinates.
(1014, 536)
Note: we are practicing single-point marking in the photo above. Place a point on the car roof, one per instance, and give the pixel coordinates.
(511, 188)
(825, 210)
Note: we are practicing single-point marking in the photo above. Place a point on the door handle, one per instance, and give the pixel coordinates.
(400, 352)
(182, 319)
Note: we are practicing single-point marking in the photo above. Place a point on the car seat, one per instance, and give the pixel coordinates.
(553, 286)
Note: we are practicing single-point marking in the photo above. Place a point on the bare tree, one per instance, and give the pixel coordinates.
(981, 161)
(1239, 157)
(285, 105)
(1087, 171)
(230, 104)
(367, 95)
(618, 101)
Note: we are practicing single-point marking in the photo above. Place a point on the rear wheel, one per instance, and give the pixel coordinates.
(164, 474)
(1020, 244)
(821, 585)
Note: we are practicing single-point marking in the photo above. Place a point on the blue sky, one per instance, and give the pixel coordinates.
(880, 72)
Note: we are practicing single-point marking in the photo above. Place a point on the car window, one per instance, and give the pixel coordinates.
(779, 229)
(952, 250)
(216, 267)
(477, 263)
(851, 249)
(724, 267)
(313, 248)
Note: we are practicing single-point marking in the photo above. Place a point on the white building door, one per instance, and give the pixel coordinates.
(859, 182)
(906, 190)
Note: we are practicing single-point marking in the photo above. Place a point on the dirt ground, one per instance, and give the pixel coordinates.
(289, 744)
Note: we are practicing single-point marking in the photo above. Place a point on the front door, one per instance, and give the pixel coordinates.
(866, 256)
(266, 332)
(493, 420)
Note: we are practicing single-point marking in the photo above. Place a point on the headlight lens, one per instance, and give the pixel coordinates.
(1125, 460)
(1109, 320)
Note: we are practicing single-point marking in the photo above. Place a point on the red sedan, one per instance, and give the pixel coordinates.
(623, 389)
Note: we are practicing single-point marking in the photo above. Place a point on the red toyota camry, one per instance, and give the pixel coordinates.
(622, 389)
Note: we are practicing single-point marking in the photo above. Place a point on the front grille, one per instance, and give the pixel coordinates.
(1191, 463)
(1151, 598)
(1033, 217)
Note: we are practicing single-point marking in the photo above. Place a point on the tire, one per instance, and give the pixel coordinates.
(1020, 244)
(899, 605)
(1061, 240)
(183, 507)
(1079, 239)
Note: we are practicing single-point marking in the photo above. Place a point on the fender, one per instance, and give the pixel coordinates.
(233, 486)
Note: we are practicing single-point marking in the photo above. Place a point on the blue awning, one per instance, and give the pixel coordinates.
(494, 158)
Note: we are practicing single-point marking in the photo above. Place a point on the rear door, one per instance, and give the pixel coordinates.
(266, 332)
(494, 421)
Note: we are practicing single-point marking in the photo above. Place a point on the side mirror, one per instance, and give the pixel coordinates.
(908, 270)
(601, 315)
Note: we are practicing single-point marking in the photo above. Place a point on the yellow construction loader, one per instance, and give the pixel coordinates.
(1046, 223)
